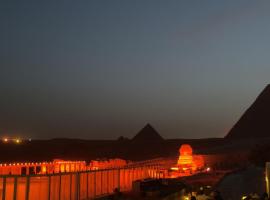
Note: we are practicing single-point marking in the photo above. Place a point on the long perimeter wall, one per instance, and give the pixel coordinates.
(73, 186)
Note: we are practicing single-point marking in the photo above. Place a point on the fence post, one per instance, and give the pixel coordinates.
(49, 187)
(4, 188)
(124, 179)
(113, 179)
(108, 181)
(70, 187)
(132, 173)
(15, 188)
(78, 185)
(27, 188)
(87, 195)
(119, 174)
(128, 178)
(101, 182)
(95, 183)
(60, 183)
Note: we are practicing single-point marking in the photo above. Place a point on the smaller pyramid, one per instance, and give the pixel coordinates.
(148, 133)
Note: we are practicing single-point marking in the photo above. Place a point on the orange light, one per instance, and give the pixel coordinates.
(18, 141)
(67, 168)
(5, 139)
(62, 168)
(44, 169)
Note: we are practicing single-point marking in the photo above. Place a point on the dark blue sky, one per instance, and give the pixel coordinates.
(101, 69)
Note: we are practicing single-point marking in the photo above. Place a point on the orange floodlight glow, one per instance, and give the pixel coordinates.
(5, 140)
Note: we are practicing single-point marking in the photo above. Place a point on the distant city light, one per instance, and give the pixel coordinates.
(12, 140)
(208, 169)
(18, 141)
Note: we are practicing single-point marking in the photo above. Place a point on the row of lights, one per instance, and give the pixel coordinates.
(42, 163)
(70, 162)
(15, 140)
(13, 164)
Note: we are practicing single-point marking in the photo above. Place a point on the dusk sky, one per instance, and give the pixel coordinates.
(97, 69)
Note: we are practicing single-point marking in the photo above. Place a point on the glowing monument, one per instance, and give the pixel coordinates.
(187, 162)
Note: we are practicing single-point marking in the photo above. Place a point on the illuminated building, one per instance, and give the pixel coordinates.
(57, 166)
(105, 164)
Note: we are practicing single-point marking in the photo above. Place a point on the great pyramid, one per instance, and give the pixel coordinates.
(148, 133)
(255, 122)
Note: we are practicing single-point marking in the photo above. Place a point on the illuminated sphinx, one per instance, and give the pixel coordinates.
(187, 161)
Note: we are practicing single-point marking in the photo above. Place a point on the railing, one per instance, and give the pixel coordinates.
(73, 186)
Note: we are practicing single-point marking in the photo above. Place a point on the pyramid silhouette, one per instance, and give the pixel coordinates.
(148, 133)
(255, 122)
